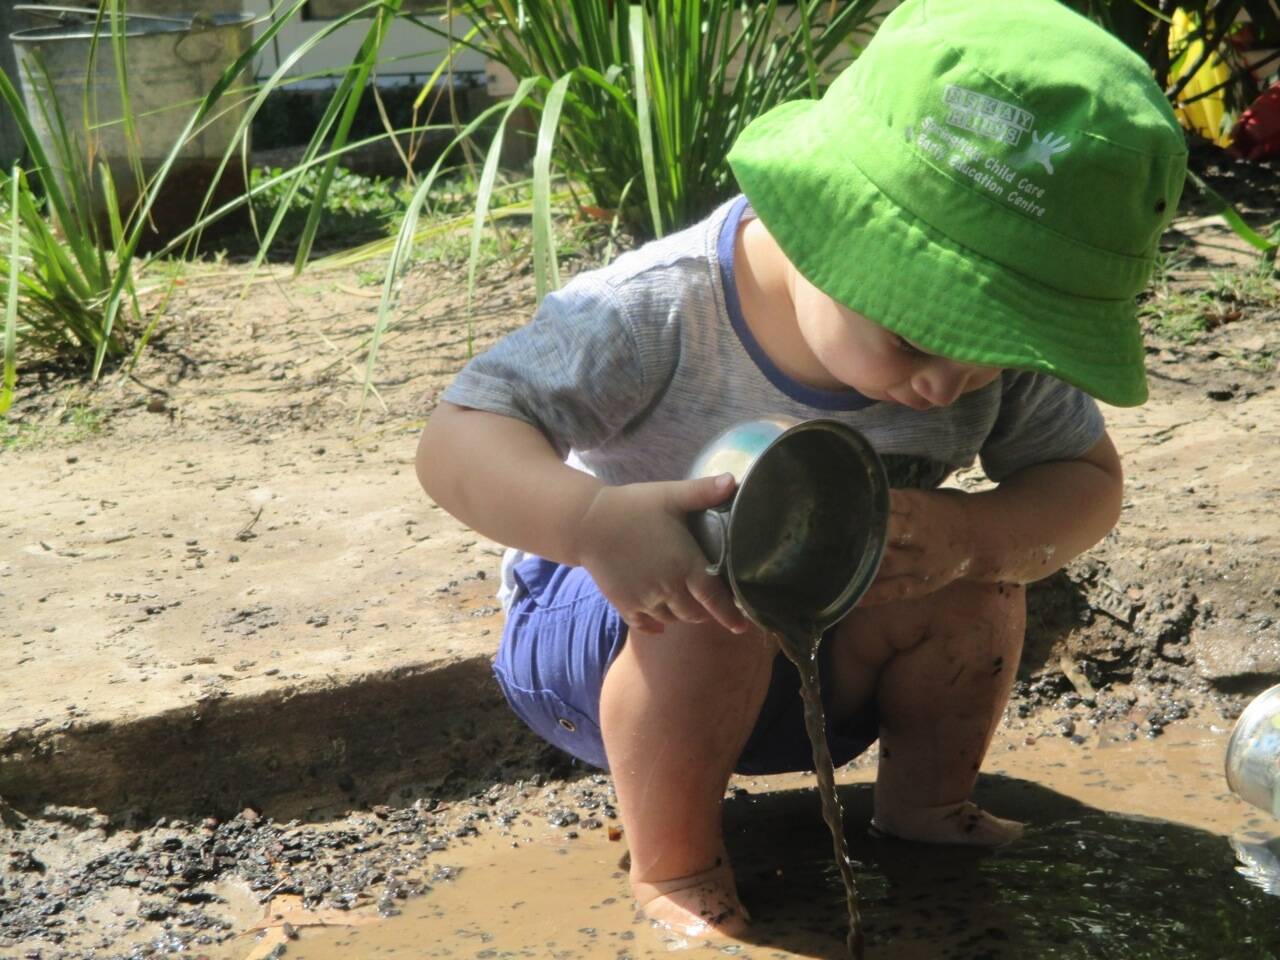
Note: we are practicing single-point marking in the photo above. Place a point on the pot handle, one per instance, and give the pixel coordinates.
(711, 529)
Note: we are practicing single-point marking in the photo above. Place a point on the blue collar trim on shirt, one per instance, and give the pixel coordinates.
(811, 396)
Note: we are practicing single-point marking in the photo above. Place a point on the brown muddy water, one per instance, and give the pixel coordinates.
(1129, 853)
(803, 653)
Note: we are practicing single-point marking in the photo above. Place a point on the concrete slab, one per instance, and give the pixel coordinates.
(218, 588)
(275, 604)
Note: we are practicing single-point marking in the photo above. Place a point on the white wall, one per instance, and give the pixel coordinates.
(409, 54)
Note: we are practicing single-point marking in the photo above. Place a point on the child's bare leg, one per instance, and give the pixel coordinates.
(676, 710)
(941, 670)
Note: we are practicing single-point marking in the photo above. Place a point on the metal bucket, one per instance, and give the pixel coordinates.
(173, 62)
(802, 538)
(1253, 753)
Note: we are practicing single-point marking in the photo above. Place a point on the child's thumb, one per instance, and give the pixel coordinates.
(703, 492)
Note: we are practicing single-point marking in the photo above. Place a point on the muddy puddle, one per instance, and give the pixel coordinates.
(1129, 853)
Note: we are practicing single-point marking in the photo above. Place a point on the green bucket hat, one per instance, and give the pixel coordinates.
(989, 180)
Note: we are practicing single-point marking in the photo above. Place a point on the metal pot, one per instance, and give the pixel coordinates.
(173, 63)
(1253, 753)
(801, 539)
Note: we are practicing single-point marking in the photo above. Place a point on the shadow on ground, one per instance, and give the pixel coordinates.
(1081, 884)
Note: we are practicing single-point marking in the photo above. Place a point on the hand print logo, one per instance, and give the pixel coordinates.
(1043, 149)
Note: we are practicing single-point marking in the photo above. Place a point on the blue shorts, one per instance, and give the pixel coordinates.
(562, 635)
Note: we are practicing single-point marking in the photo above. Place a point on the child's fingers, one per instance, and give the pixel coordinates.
(684, 607)
(716, 599)
(701, 493)
(903, 537)
(897, 562)
(903, 528)
(893, 589)
(902, 502)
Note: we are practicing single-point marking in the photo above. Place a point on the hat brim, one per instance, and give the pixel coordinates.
(866, 252)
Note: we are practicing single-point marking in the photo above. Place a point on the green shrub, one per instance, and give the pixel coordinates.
(655, 150)
(1145, 27)
(356, 208)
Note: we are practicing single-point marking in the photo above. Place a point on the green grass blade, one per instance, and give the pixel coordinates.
(546, 271)
(69, 194)
(278, 79)
(643, 124)
(365, 61)
(810, 62)
(346, 259)
(485, 190)
(119, 50)
(112, 200)
(11, 300)
(444, 65)
(293, 174)
(404, 247)
(1233, 218)
(319, 137)
(124, 256)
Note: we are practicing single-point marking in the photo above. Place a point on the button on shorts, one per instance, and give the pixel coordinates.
(561, 636)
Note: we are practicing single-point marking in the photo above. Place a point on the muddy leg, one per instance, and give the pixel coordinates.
(676, 710)
(941, 671)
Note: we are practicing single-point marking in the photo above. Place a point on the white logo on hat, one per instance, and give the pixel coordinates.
(1044, 149)
(986, 116)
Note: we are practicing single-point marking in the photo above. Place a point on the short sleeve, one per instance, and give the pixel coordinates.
(1041, 418)
(575, 371)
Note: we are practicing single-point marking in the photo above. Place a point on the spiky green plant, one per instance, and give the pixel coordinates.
(61, 278)
(652, 97)
(638, 103)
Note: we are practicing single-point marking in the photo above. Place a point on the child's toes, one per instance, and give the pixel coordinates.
(959, 823)
(987, 830)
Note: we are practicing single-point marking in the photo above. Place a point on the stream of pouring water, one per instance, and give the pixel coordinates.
(801, 648)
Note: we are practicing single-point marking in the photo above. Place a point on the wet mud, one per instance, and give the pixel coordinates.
(1167, 626)
(1129, 852)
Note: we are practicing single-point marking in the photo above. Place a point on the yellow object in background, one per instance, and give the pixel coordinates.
(1204, 116)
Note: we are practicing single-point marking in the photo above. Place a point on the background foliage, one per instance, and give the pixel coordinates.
(632, 110)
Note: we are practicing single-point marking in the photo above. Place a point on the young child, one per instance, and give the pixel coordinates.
(942, 252)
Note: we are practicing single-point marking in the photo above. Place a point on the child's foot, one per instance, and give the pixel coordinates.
(961, 823)
(704, 905)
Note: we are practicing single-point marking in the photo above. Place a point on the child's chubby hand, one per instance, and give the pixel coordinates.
(929, 545)
(635, 541)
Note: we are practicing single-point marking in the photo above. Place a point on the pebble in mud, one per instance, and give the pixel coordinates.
(373, 859)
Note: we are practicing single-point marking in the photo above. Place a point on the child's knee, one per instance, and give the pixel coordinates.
(688, 650)
(983, 617)
(1000, 603)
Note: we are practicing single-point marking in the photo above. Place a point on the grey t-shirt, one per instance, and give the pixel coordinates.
(632, 368)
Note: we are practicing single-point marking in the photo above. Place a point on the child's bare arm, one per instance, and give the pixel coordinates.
(1034, 523)
(502, 478)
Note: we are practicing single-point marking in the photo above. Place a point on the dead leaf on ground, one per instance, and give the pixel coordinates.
(286, 914)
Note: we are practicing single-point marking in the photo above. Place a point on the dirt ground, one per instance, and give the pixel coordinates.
(219, 526)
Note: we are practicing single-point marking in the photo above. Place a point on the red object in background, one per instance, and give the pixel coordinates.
(1256, 135)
